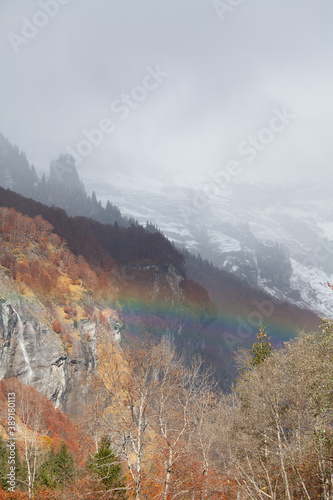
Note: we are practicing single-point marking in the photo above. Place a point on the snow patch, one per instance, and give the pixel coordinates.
(312, 285)
(223, 242)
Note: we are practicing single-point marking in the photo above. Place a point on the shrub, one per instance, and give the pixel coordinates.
(57, 326)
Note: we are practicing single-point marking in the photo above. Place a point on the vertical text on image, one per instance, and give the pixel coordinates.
(11, 441)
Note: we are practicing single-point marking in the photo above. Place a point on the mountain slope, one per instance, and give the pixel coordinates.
(62, 188)
(141, 276)
(260, 233)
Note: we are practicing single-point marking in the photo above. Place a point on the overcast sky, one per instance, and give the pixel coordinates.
(182, 87)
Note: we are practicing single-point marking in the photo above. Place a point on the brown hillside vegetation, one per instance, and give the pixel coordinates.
(110, 251)
(53, 425)
(34, 255)
(100, 244)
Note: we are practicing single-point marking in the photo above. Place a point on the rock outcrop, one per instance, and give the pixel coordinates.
(157, 299)
(36, 355)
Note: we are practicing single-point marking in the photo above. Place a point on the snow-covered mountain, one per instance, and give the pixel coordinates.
(278, 238)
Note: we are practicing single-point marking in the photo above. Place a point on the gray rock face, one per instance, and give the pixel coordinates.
(32, 352)
(62, 366)
(274, 266)
(174, 280)
(63, 171)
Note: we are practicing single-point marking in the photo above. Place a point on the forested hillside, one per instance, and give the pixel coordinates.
(62, 188)
(96, 241)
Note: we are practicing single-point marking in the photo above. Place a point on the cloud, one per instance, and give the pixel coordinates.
(225, 79)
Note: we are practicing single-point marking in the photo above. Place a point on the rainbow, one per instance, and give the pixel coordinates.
(227, 330)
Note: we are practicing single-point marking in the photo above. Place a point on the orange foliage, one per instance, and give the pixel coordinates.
(40, 494)
(36, 256)
(189, 482)
(17, 495)
(55, 424)
(76, 491)
(57, 326)
(103, 321)
(71, 312)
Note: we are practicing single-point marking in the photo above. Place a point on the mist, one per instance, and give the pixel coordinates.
(171, 90)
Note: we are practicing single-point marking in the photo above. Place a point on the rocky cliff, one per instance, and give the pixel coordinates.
(56, 366)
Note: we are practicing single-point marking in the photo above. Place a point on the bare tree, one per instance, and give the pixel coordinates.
(280, 428)
(161, 408)
(130, 378)
(31, 432)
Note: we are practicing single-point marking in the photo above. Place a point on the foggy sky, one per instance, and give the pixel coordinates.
(225, 77)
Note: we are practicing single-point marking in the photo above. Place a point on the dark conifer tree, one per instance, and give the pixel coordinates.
(64, 466)
(3, 464)
(58, 470)
(20, 471)
(106, 465)
(261, 349)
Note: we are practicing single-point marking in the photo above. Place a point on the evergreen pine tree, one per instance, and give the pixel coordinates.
(58, 469)
(94, 200)
(261, 349)
(47, 471)
(106, 465)
(20, 471)
(3, 463)
(64, 467)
